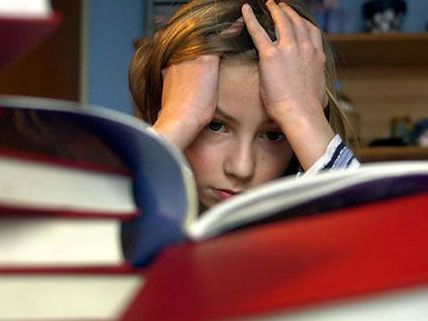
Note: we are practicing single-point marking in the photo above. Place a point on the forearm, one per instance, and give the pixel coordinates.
(180, 133)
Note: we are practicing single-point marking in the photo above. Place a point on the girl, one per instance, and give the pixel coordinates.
(245, 90)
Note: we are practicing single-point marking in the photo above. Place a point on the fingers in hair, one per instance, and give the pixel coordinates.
(298, 25)
(283, 23)
(258, 34)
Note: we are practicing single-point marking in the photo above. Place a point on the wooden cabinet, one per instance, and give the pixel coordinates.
(52, 69)
(386, 76)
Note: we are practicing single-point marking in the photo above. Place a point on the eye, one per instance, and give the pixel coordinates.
(215, 126)
(274, 136)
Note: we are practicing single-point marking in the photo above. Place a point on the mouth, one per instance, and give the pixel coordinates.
(223, 194)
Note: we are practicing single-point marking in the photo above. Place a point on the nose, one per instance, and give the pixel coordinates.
(240, 162)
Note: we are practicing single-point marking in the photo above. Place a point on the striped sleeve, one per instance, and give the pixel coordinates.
(337, 156)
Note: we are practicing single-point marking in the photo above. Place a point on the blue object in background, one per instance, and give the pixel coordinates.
(417, 16)
(113, 25)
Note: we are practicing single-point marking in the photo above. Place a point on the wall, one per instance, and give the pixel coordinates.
(111, 28)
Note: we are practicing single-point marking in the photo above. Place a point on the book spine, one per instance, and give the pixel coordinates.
(125, 268)
(62, 162)
(14, 211)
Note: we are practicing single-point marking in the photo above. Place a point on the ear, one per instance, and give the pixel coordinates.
(164, 73)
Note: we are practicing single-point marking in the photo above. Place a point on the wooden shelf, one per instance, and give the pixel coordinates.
(376, 154)
(380, 50)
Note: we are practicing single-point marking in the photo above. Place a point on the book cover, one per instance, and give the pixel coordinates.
(276, 271)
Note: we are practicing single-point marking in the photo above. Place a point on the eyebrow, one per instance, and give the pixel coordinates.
(225, 115)
(219, 111)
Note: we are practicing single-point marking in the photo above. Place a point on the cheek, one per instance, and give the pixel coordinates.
(203, 159)
(273, 162)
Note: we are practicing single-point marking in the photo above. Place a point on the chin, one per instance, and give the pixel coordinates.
(205, 205)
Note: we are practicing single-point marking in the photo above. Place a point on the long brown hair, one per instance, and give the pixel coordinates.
(196, 29)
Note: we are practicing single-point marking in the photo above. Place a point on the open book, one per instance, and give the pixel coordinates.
(164, 188)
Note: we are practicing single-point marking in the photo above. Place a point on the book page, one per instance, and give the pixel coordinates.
(25, 9)
(296, 196)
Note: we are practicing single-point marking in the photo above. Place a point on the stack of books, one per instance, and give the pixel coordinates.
(63, 198)
(60, 224)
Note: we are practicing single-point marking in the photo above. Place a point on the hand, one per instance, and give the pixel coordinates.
(292, 80)
(189, 99)
(291, 68)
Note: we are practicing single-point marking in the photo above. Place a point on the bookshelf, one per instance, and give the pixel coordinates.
(375, 154)
(386, 76)
(52, 67)
(395, 49)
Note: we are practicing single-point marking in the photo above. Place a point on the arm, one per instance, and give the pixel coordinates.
(189, 99)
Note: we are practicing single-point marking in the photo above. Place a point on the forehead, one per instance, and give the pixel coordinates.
(239, 93)
(238, 69)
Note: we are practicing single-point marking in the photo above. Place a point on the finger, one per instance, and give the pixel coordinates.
(299, 26)
(315, 35)
(283, 24)
(258, 34)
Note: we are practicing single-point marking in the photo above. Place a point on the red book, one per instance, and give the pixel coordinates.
(285, 268)
(20, 35)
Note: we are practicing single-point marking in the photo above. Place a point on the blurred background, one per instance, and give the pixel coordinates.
(381, 48)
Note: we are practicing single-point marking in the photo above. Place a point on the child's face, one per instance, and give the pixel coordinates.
(241, 147)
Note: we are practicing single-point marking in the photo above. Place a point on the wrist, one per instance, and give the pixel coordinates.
(289, 113)
(179, 132)
(308, 136)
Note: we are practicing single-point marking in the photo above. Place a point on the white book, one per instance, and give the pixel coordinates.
(69, 296)
(58, 242)
(31, 184)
